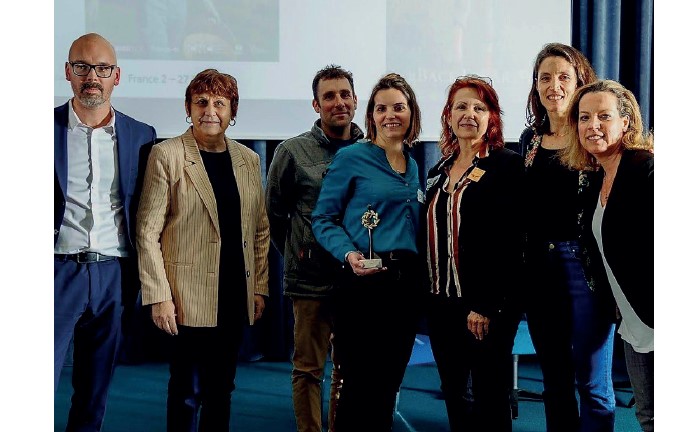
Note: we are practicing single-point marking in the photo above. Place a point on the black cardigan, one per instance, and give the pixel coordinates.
(490, 239)
(627, 231)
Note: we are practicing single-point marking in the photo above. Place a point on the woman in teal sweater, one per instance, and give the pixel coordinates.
(375, 183)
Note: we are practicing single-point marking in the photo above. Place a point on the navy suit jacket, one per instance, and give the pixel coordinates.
(134, 139)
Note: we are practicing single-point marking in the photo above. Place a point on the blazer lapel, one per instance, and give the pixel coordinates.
(240, 171)
(60, 146)
(620, 182)
(198, 176)
(123, 138)
(236, 159)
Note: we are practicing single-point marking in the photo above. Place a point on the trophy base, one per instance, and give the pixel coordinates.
(372, 263)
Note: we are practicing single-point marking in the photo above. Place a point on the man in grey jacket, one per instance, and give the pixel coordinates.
(293, 185)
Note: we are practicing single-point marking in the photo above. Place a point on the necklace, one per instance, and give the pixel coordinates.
(398, 165)
(606, 188)
(561, 131)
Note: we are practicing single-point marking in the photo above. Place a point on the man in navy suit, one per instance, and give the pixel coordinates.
(96, 164)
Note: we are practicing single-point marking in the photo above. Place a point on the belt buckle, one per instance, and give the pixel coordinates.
(87, 257)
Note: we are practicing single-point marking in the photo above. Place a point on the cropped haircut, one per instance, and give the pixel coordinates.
(331, 72)
(635, 138)
(536, 112)
(493, 138)
(214, 82)
(397, 82)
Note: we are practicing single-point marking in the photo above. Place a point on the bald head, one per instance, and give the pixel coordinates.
(92, 41)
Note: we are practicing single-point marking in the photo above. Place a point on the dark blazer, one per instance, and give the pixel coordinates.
(490, 239)
(627, 231)
(134, 141)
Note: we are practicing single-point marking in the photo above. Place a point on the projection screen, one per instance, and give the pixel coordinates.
(274, 47)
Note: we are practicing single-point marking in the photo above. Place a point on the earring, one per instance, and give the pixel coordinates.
(232, 123)
(188, 120)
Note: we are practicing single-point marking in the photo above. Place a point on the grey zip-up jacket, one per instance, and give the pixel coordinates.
(294, 180)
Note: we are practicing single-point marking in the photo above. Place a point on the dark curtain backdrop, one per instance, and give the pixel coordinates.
(618, 38)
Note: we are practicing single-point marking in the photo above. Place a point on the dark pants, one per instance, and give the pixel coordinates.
(573, 337)
(203, 370)
(87, 306)
(375, 327)
(489, 361)
(641, 373)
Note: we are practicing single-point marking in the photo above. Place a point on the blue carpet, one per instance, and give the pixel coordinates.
(262, 399)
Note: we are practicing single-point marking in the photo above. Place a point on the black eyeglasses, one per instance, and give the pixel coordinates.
(487, 80)
(83, 69)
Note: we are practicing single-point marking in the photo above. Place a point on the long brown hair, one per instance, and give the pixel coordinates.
(536, 113)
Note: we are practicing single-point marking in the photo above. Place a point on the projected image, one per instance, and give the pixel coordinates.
(214, 30)
(431, 46)
(452, 39)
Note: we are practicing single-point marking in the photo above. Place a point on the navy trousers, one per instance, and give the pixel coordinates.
(88, 306)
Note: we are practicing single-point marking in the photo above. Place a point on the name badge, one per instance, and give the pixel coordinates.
(476, 174)
(420, 196)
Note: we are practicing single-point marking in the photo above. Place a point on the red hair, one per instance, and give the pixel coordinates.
(493, 138)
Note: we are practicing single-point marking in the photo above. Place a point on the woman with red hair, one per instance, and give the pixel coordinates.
(474, 256)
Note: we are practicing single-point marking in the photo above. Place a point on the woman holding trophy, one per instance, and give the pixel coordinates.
(371, 201)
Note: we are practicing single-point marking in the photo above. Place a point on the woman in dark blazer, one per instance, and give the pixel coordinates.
(474, 253)
(607, 136)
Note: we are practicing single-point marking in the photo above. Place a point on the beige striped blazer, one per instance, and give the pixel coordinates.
(178, 241)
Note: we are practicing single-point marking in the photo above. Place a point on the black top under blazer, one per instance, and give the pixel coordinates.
(490, 239)
(627, 231)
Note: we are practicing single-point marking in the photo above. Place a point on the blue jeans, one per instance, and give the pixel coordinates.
(641, 373)
(573, 335)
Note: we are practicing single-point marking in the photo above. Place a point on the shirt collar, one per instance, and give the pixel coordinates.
(74, 121)
(478, 156)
